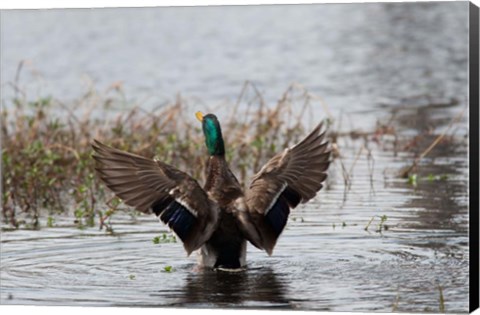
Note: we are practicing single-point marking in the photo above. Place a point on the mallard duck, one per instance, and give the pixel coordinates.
(221, 217)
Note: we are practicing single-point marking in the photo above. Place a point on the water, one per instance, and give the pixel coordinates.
(315, 265)
(351, 55)
(366, 61)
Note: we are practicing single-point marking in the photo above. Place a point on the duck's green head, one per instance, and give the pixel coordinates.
(213, 133)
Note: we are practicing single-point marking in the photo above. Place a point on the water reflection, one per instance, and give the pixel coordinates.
(257, 288)
(441, 179)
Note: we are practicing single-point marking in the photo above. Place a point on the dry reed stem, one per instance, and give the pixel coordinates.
(405, 173)
(46, 144)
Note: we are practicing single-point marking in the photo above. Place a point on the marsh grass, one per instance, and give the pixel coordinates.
(47, 169)
(46, 146)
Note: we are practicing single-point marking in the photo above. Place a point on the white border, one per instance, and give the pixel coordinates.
(62, 310)
(47, 4)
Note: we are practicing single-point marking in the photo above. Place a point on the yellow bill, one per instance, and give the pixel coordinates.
(199, 116)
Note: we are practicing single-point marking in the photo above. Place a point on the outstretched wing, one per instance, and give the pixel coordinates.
(154, 186)
(289, 178)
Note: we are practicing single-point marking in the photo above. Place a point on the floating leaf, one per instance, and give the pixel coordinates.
(412, 180)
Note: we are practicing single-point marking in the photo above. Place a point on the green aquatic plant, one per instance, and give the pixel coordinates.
(381, 225)
(433, 178)
(168, 269)
(50, 222)
(164, 239)
(412, 180)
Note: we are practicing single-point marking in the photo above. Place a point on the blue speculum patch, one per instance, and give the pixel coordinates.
(179, 219)
(278, 215)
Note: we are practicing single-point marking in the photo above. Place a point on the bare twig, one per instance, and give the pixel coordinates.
(454, 120)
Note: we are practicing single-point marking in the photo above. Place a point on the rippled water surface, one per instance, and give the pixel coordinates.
(324, 260)
(368, 62)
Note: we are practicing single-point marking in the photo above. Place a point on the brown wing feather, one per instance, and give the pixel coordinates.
(289, 178)
(153, 186)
